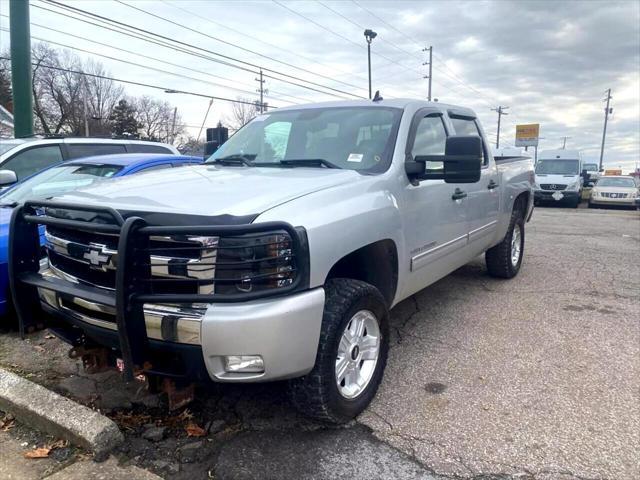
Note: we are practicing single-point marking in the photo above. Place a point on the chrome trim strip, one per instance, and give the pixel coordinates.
(482, 231)
(419, 261)
(170, 323)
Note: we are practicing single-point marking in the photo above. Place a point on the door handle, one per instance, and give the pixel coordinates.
(458, 194)
(492, 185)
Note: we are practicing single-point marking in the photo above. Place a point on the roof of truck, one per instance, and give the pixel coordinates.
(393, 102)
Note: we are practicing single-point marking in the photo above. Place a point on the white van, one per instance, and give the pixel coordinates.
(559, 177)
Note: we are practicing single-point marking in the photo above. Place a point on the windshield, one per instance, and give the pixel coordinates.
(354, 138)
(557, 167)
(56, 181)
(590, 167)
(616, 182)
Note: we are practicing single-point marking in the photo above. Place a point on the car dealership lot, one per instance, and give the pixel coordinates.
(537, 376)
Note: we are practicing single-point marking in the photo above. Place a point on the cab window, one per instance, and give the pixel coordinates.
(32, 160)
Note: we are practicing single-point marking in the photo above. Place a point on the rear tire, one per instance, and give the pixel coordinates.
(320, 394)
(504, 260)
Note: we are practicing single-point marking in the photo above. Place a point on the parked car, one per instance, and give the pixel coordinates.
(22, 157)
(281, 256)
(66, 177)
(614, 190)
(559, 177)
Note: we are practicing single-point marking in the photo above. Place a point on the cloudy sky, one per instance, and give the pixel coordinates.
(549, 61)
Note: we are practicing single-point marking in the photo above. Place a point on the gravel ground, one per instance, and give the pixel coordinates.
(537, 377)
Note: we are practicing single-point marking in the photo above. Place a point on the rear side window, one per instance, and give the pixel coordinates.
(147, 148)
(467, 127)
(78, 150)
(33, 160)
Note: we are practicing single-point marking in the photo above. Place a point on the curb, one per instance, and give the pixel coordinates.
(45, 410)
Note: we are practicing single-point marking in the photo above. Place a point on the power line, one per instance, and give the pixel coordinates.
(253, 52)
(261, 40)
(277, 2)
(226, 57)
(157, 60)
(140, 84)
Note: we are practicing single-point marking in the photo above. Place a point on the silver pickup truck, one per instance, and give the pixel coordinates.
(280, 257)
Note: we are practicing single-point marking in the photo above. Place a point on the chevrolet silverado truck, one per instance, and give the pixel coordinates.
(278, 258)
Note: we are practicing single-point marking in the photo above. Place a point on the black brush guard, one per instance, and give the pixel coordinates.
(131, 291)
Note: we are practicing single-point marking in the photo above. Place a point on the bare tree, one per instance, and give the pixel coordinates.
(241, 113)
(158, 119)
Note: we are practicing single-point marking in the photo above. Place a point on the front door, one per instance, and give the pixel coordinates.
(436, 222)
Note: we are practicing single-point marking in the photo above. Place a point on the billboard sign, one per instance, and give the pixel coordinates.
(527, 135)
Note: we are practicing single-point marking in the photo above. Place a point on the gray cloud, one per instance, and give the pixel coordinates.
(550, 61)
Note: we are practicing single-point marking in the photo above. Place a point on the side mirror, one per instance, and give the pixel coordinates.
(462, 162)
(7, 177)
(210, 148)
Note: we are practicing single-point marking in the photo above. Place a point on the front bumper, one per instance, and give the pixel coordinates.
(547, 195)
(284, 331)
(621, 202)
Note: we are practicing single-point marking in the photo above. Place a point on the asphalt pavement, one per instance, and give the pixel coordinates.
(537, 377)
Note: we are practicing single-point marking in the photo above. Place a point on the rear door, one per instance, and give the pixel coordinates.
(436, 223)
(483, 201)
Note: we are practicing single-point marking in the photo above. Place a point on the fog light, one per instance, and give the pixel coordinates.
(244, 363)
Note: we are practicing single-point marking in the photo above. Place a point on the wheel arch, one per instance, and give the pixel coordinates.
(375, 263)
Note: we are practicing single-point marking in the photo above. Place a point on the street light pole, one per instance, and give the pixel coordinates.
(369, 35)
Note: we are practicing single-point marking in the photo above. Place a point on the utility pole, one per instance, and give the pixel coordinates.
(204, 120)
(173, 125)
(564, 142)
(501, 111)
(430, 63)
(261, 90)
(84, 107)
(607, 111)
(21, 68)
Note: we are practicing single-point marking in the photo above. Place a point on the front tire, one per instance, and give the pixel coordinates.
(352, 354)
(504, 260)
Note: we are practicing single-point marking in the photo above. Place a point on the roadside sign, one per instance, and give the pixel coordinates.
(615, 171)
(527, 135)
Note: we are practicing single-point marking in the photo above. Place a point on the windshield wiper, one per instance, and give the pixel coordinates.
(236, 159)
(308, 162)
(13, 204)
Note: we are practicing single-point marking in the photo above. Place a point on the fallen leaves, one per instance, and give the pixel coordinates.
(43, 452)
(7, 423)
(193, 430)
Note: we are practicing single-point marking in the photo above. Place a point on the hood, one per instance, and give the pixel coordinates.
(210, 189)
(615, 189)
(556, 179)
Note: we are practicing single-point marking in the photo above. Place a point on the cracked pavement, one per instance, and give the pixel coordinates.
(531, 378)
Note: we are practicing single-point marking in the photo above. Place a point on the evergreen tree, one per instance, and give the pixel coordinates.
(124, 120)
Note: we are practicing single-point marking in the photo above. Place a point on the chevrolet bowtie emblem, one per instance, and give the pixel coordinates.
(97, 257)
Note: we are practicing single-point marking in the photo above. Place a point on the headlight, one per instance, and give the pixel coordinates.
(574, 186)
(254, 263)
(634, 195)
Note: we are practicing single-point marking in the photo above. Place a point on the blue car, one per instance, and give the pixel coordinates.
(70, 176)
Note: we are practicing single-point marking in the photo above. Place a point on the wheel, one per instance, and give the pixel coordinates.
(504, 260)
(576, 203)
(352, 354)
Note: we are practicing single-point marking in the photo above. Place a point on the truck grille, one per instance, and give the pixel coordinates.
(552, 186)
(614, 195)
(182, 264)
